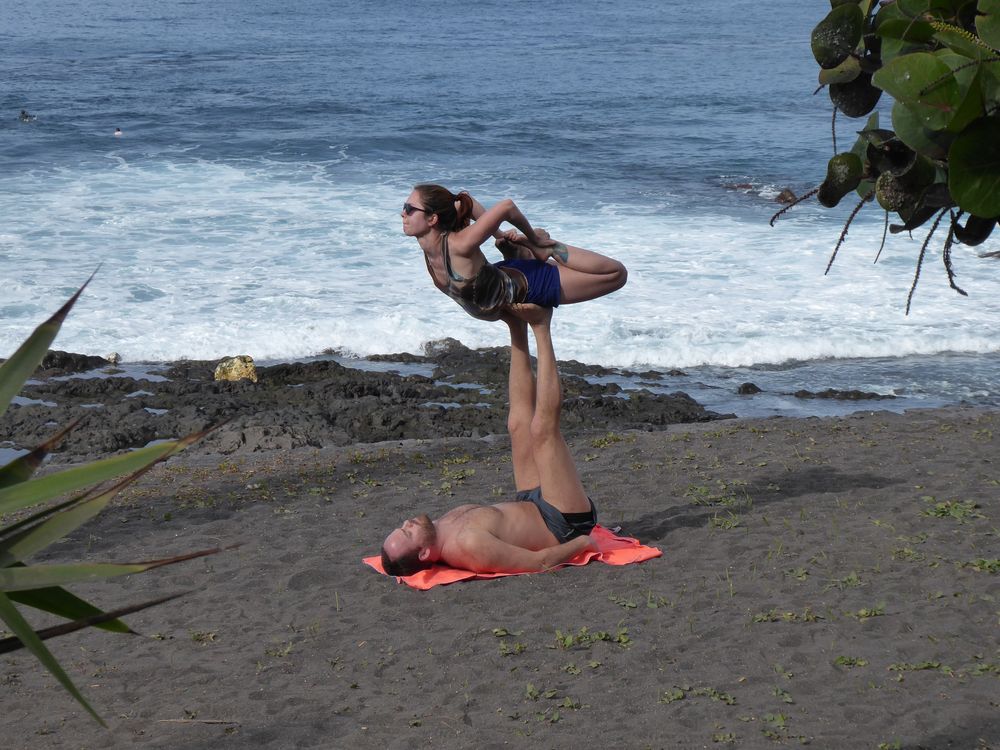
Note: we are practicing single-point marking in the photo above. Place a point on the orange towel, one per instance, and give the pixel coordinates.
(611, 549)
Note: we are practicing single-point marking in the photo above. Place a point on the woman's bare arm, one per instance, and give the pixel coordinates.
(487, 224)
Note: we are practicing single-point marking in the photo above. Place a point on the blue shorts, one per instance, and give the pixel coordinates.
(564, 526)
(542, 278)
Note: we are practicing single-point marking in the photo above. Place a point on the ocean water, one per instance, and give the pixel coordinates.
(251, 204)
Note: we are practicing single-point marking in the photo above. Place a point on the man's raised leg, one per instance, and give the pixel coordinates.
(521, 392)
(559, 479)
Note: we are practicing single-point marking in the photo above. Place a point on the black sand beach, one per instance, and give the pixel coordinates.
(825, 581)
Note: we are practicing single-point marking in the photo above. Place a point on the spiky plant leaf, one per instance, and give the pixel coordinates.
(16, 370)
(60, 602)
(21, 469)
(97, 620)
(58, 574)
(46, 488)
(20, 628)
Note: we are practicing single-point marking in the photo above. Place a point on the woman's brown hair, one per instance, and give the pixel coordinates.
(441, 201)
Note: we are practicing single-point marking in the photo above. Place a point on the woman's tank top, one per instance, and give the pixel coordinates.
(484, 295)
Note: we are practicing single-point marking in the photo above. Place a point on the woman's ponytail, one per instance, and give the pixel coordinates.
(463, 209)
(454, 212)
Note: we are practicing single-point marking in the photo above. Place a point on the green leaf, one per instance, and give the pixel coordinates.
(906, 29)
(46, 488)
(988, 22)
(970, 106)
(924, 83)
(855, 98)
(59, 601)
(29, 355)
(910, 130)
(29, 541)
(98, 620)
(22, 468)
(843, 173)
(937, 8)
(837, 35)
(844, 73)
(892, 47)
(42, 576)
(974, 168)
(19, 627)
(975, 232)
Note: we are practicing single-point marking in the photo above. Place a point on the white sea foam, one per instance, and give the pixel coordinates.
(202, 260)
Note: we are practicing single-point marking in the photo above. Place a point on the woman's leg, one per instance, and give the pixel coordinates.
(586, 275)
(583, 274)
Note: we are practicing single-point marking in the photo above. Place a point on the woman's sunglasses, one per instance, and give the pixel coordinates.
(408, 209)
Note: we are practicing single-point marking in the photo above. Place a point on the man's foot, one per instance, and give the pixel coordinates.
(511, 250)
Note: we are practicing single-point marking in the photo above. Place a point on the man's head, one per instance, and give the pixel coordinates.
(411, 547)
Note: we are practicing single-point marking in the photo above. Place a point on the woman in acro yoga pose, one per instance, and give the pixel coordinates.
(535, 270)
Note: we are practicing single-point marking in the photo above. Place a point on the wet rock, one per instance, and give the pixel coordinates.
(843, 395)
(747, 389)
(65, 362)
(320, 403)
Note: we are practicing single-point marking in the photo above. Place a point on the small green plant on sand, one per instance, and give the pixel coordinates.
(984, 565)
(850, 661)
(585, 638)
(960, 510)
(26, 531)
(677, 693)
(869, 612)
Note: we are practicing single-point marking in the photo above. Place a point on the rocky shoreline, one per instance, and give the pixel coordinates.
(315, 404)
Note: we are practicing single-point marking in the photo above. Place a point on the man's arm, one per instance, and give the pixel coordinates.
(482, 552)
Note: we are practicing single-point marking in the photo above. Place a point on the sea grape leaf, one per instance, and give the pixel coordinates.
(913, 218)
(970, 107)
(975, 232)
(988, 22)
(855, 98)
(886, 153)
(974, 168)
(860, 149)
(925, 84)
(910, 130)
(937, 8)
(892, 47)
(837, 35)
(844, 73)
(843, 173)
(906, 30)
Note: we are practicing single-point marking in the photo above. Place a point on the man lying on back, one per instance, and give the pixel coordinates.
(549, 521)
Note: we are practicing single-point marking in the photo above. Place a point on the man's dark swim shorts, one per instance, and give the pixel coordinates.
(564, 526)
